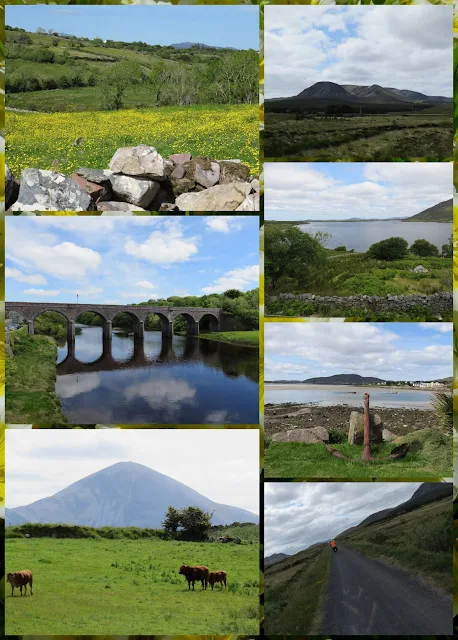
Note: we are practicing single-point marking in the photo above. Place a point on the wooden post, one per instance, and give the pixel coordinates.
(367, 432)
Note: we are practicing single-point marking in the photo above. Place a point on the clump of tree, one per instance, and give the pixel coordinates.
(389, 249)
(424, 249)
(447, 249)
(190, 523)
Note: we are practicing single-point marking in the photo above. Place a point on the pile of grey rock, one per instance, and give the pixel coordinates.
(138, 179)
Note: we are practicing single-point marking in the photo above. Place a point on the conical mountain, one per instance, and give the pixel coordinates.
(126, 494)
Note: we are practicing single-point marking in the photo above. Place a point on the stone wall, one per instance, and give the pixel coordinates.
(138, 179)
(437, 304)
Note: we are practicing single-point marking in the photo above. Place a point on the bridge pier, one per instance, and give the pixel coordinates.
(30, 326)
(167, 328)
(193, 328)
(71, 347)
(139, 329)
(71, 331)
(107, 331)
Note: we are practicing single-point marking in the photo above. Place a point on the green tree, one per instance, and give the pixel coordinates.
(290, 252)
(115, 82)
(447, 249)
(195, 523)
(424, 248)
(172, 521)
(233, 293)
(389, 249)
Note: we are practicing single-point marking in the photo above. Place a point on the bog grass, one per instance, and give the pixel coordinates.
(99, 587)
(372, 137)
(67, 141)
(430, 456)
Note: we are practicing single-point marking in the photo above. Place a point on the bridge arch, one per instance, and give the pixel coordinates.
(192, 324)
(209, 322)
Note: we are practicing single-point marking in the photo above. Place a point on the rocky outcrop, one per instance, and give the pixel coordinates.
(356, 430)
(139, 177)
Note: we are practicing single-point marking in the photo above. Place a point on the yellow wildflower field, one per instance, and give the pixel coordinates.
(66, 141)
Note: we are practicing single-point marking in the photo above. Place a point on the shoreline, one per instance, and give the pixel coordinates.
(335, 387)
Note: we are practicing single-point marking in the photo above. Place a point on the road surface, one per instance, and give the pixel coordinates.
(368, 597)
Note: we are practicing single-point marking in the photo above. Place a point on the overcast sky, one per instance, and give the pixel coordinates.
(387, 350)
(323, 190)
(221, 464)
(299, 514)
(395, 47)
(127, 260)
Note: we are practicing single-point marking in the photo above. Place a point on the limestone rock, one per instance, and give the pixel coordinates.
(96, 191)
(178, 172)
(180, 158)
(255, 185)
(207, 177)
(137, 191)
(113, 206)
(139, 161)
(233, 172)
(225, 197)
(50, 191)
(251, 203)
(388, 436)
(356, 430)
(99, 176)
(9, 184)
(420, 269)
(311, 436)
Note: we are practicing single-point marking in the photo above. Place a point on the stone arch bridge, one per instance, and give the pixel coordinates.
(193, 315)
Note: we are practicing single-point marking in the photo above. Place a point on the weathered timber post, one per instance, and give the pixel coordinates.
(367, 429)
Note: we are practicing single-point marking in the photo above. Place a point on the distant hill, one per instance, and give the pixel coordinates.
(340, 378)
(275, 557)
(125, 494)
(371, 98)
(200, 45)
(441, 212)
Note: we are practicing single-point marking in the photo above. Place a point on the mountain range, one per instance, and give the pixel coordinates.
(441, 212)
(359, 95)
(342, 378)
(189, 45)
(125, 494)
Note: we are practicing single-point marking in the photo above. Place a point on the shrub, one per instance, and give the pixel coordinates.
(424, 248)
(389, 249)
(342, 249)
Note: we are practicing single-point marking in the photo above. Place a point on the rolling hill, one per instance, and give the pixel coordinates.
(125, 494)
(275, 557)
(441, 212)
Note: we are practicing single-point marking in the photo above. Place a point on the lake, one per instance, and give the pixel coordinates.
(183, 380)
(360, 235)
(330, 396)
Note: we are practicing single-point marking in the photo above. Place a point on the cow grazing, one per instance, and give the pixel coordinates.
(194, 574)
(217, 576)
(20, 579)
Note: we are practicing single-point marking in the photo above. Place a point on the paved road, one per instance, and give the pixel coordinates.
(368, 597)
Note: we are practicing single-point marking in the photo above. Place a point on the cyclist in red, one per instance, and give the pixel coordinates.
(334, 546)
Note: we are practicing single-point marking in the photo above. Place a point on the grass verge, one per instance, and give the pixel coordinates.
(30, 381)
(242, 338)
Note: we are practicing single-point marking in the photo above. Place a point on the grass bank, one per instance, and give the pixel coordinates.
(131, 587)
(242, 338)
(420, 541)
(430, 456)
(89, 139)
(30, 381)
(294, 591)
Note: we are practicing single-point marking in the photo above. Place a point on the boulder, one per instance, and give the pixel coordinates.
(99, 176)
(420, 269)
(9, 184)
(314, 435)
(180, 158)
(251, 203)
(96, 191)
(356, 430)
(113, 206)
(138, 191)
(207, 177)
(50, 191)
(178, 172)
(233, 172)
(139, 161)
(255, 185)
(388, 436)
(168, 206)
(225, 197)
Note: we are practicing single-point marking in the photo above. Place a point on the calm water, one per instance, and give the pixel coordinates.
(184, 380)
(360, 235)
(330, 397)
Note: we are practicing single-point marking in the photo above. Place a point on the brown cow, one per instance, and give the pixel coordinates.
(20, 579)
(217, 576)
(194, 574)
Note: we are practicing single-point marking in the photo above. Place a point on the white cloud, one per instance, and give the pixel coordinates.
(223, 224)
(144, 284)
(441, 327)
(164, 246)
(41, 292)
(242, 279)
(362, 45)
(15, 274)
(88, 291)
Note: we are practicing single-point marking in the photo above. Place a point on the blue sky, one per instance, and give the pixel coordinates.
(126, 260)
(336, 191)
(391, 351)
(221, 26)
(360, 45)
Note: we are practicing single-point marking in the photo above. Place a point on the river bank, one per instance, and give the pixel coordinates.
(401, 421)
(30, 394)
(242, 338)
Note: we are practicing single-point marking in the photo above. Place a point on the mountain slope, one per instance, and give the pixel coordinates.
(344, 378)
(275, 557)
(441, 212)
(122, 495)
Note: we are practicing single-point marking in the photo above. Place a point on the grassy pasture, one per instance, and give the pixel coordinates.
(98, 587)
(372, 137)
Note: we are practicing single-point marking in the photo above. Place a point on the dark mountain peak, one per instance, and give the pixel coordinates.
(323, 90)
(440, 212)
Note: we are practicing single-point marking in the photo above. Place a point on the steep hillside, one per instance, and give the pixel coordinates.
(125, 494)
(275, 557)
(441, 212)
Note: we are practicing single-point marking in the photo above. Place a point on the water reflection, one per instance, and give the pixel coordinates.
(156, 380)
